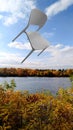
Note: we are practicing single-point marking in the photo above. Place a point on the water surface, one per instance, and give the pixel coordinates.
(33, 84)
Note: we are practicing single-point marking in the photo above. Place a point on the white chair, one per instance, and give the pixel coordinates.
(36, 40)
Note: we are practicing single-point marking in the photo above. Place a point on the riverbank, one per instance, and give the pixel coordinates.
(20, 110)
(20, 72)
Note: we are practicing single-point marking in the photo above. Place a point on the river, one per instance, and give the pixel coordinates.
(34, 84)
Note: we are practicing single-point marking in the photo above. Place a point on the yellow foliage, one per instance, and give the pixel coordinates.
(39, 111)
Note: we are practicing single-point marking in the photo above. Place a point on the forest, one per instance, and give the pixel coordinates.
(20, 110)
(23, 72)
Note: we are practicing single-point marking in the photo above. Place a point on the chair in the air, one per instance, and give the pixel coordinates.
(37, 42)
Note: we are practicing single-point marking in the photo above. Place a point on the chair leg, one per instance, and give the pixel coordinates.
(42, 51)
(27, 56)
(17, 36)
(20, 33)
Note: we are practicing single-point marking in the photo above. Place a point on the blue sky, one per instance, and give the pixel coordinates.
(58, 30)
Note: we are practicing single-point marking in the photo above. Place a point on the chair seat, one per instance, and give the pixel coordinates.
(37, 41)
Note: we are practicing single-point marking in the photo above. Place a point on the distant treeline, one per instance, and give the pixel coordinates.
(20, 72)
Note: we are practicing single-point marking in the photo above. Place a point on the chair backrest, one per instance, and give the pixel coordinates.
(37, 18)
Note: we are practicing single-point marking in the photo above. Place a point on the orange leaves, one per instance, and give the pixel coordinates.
(39, 111)
(20, 72)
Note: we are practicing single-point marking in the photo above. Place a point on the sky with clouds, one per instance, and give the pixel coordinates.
(58, 30)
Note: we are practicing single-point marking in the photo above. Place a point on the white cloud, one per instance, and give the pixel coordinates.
(20, 45)
(1, 16)
(57, 7)
(10, 20)
(60, 51)
(12, 10)
(57, 56)
(9, 59)
(60, 55)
